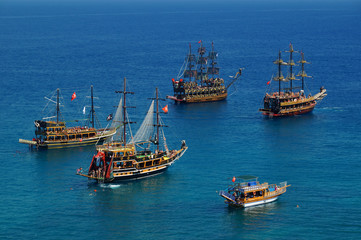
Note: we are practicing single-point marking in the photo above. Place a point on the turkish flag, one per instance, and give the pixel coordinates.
(200, 41)
(73, 96)
(165, 109)
(268, 82)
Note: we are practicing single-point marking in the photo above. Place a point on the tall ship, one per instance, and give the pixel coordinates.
(290, 100)
(52, 132)
(142, 155)
(247, 191)
(199, 79)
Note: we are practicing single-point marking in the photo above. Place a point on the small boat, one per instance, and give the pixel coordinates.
(54, 134)
(247, 192)
(199, 79)
(138, 157)
(287, 101)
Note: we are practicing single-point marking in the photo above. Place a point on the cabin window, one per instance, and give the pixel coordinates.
(141, 165)
(91, 134)
(149, 163)
(78, 136)
(85, 135)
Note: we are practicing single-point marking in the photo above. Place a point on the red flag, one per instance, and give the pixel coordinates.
(73, 96)
(200, 41)
(165, 109)
(233, 179)
(268, 82)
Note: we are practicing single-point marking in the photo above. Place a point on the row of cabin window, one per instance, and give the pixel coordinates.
(70, 136)
(128, 164)
(54, 129)
(298, 105)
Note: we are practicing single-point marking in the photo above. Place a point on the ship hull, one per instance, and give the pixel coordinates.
(135, 173)
(71, 144)
(138, 174)
(286, 114)
(260, 202)
(253, 203)
(206, 98)
(68, 143)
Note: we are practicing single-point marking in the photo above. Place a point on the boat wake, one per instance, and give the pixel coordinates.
(112, 186)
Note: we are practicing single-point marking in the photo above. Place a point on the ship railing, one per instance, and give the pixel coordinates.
(243, 187)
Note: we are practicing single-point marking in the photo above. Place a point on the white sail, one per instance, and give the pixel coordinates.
(118, 118)
(146, 130)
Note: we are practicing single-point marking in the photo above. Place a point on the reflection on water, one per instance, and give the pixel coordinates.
(55, 155)
(248, 220)
(126, 194)
(199, 110)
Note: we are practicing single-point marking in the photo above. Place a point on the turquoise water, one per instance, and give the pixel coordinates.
(44, 46)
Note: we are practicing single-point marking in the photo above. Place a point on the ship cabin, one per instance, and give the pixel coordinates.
(57, 131)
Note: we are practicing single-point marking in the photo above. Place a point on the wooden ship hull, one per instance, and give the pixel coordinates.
(293, 106)
(57, 144)
(133, 168)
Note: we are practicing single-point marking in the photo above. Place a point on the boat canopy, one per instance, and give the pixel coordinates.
(247, 178)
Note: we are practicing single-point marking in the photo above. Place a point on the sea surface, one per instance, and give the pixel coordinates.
(47, 45)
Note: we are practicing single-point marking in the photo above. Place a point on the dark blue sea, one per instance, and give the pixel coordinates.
(70, 45)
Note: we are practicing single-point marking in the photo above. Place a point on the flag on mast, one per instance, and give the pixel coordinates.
(165, 109)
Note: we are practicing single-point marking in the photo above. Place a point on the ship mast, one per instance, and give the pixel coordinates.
(158, 125)
(291, 64)
(92, 103)
(280, 77)
(190, 62)
(57, 105)
(303, 73)
(157, 112)
(213, 56)
(125, 122)
(201, 60)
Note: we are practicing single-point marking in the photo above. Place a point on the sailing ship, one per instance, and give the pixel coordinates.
(286, 101)
(199, 79)
(247, 191)
(138, 157)
(53, 134)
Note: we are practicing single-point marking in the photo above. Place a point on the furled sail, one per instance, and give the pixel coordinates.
(146, 130)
